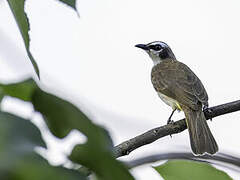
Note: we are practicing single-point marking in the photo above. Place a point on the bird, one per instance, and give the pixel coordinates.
(179, 87)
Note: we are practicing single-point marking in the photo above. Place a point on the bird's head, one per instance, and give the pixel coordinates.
(158, 51)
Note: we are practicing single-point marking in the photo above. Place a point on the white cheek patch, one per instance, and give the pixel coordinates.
(155, 52)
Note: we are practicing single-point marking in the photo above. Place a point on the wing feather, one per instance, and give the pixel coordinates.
(176, 80)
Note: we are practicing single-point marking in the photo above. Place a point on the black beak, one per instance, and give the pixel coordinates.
(142, 46)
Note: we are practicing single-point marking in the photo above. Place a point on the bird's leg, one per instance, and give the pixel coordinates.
(169, 119)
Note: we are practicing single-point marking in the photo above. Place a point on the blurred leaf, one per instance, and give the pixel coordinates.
(102, 163)
(17, 8)
(18, 140)
(34, 167)
(17, 137)
(61, 117)
(23, 90)
(188, 170)
(71, 3)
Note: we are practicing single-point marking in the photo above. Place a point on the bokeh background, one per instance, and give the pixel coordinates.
(92, 62)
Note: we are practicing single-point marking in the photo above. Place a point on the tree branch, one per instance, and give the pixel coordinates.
(152, 135)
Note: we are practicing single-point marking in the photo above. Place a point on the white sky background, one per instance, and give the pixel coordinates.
(92, 62)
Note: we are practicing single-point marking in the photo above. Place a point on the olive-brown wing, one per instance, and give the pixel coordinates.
(177, 81)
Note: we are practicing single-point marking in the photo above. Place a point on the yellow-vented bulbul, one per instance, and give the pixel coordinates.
(181, 89)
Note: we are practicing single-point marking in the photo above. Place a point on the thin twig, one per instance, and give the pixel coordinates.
(152, 135)
(218, 159)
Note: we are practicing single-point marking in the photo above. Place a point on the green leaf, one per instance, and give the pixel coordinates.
(17, 136)
(19, 161)
(71, 3)
(102, 163)
(61, 117)
(17, 8)
(23, 90)
(34, 167)
(188, 170)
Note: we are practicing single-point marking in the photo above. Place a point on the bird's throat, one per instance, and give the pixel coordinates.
(156, 61)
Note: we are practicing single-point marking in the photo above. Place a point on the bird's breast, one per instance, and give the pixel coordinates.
(169, 101)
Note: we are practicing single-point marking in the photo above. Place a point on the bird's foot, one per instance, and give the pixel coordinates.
(169, 121)
(207, 110)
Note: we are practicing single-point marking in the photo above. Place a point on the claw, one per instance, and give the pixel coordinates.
(206, 109)
(170, 121)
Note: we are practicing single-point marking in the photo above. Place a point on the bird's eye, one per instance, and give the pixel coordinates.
(157, 47)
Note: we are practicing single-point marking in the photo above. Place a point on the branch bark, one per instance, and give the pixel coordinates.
(154, 134)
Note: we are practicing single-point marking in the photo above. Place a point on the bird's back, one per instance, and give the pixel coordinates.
(177, 81)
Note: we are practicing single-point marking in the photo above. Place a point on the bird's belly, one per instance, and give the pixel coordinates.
(169, 101)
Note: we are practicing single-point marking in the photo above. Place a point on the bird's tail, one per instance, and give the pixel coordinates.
(201, 138)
